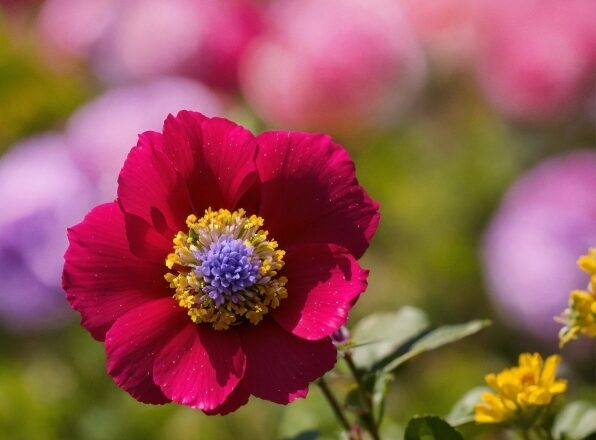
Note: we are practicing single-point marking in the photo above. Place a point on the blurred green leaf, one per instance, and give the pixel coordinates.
(380, 334)
(306, 435)
(430, 428)
(576, 421)
(437, 338)
(463, 410)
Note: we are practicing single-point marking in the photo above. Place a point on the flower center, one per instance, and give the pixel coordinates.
(225, 270)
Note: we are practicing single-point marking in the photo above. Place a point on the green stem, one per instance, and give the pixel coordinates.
(336, 408)
(364, 396)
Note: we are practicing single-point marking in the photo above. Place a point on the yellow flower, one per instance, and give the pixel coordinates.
(519, 389)
(580, 315)
(587, 263)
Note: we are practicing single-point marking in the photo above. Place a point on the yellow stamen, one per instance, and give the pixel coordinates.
(249, 305)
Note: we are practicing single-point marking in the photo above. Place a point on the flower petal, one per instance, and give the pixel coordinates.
(149, 187)
(102, 278)
(238, 398)
(279, 365)
(133, 342)
(310, 192)
(215, 156)
(324, 281)
(200, 367)
(145, 242)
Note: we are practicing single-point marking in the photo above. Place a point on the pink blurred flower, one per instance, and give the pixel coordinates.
(546, 220)
(41, 192)
(101, 132)
(75, 26)
(234, 316)
(536, 59)
(141, 39)
(336, 64)
(445, 28)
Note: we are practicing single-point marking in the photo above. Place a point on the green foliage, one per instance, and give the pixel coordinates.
(380, 334)
(463, 410)
(436, 339)
(430, 428)
(577, 421)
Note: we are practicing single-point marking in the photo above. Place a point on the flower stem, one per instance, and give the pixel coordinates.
(341, 417)
(364, 396)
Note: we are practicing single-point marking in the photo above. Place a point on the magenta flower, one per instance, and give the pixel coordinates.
(100, 133)
(257, 239)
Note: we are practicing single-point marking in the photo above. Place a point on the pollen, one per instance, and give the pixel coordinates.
(225, 270)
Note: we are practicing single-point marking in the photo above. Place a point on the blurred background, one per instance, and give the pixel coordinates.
(471, 121)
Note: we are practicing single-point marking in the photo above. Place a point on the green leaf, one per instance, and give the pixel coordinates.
(463, 410)
(306, 435)
(430, 428)
(380, 334)
(576, 421)
(435, 339)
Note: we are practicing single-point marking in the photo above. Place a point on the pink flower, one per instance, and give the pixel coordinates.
(536, 59)
(142, 39)
(337, 64)
(262, 271)
(445, 28)
(544, 223)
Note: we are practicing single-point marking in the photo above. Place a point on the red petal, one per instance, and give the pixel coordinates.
(279, 365)
(145, 242)
(310, 192)
(102, 278)
(133, 342)
(234, 401)
(149, 187)
(215, 157)
(323, 284)
(200, 367)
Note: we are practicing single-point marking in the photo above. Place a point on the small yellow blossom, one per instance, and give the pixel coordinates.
(580, 315)
(520, 389)
(587, 263)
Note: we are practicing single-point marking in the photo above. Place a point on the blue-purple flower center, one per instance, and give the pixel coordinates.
(225, 270)
(227, 266)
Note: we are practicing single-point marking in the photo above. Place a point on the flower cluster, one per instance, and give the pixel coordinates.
(519, 390)
(243, 310)
(580, 315)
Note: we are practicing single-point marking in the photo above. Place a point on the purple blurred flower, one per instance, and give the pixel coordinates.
(142, 39)
(42, 193)
(546, 221)
(333, 65)
(101, 133)
(536, 59)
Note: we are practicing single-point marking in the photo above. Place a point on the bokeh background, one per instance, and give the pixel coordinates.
(471, 121)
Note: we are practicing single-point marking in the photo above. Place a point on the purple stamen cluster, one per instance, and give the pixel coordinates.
(228, 267)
